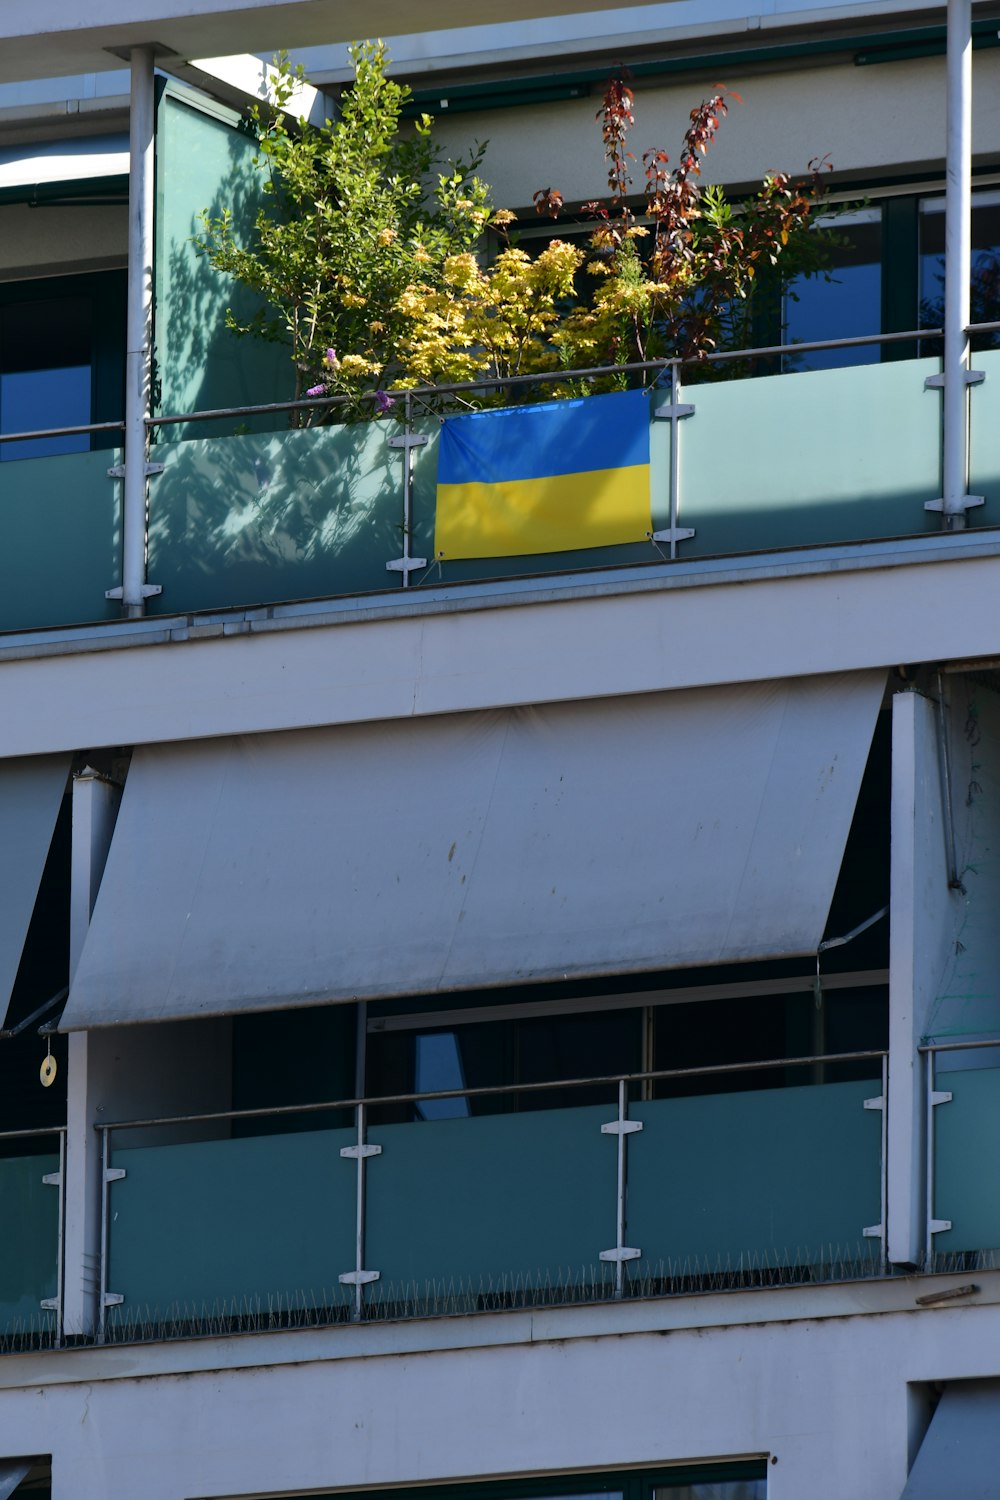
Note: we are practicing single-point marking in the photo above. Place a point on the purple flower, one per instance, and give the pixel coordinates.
(316, 390)
(331, 359)
(384, 401)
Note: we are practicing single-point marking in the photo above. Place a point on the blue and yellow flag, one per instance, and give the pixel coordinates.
(549, 478)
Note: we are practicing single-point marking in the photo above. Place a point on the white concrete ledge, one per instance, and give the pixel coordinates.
(538, 641)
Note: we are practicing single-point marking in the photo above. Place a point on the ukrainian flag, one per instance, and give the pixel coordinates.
(549, 478)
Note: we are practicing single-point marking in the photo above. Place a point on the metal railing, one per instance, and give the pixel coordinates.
(434, 400)
(358, 1280)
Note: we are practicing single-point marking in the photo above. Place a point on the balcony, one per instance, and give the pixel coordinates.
(546, 1205)
(762, 465)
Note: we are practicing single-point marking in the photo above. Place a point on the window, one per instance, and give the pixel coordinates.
(847, 305)
(985, 269)
(745, 1480)
(62, 343)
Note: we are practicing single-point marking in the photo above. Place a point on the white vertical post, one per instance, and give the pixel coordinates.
(139, 353)
(958, 259)
(95, 806)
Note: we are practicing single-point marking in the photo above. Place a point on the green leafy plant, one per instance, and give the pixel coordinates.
(349, 224)
(675, 279)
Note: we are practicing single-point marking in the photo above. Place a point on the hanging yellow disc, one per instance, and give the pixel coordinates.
(47, 1072)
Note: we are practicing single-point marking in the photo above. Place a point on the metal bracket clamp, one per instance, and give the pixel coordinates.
(362, 1152)
(118, 470)
(971, 377)
(408, 440)
(149, 591)
(619, 1255)
(358, 1278)
(621, 1127)
(406, 564)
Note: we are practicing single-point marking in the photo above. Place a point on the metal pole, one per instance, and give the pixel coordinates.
(958, 260)
(139, 350)
(102, 1284)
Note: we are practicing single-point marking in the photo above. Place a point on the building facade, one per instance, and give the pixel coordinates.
(514, 1027)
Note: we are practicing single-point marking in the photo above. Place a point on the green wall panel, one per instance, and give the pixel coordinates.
(778, 1177)
(30, 1240)
(204, 161)
(984, 439)
(491, 1202)
(823, 456)
(61, 520)
(269, 517)
(967, 1160)
(227, 1226)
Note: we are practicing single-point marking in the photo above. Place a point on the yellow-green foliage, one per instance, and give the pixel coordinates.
(498, 320)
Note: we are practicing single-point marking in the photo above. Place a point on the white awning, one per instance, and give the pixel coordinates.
(960, 1454)
(31, 792)
(602, 837)
(64, 162)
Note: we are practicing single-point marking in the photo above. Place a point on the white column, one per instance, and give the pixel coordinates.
(139, 352)
(958, 257)
(95, 807)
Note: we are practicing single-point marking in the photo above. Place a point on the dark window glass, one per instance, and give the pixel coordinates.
(504, 1055)
(985, 268)
(726, 1489)
(847, 305)
(46, 354)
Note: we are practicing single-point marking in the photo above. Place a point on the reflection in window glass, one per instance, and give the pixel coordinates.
(984, 290)
(438, 1065)
(728, 1489)
(45, 373)
(848, 305)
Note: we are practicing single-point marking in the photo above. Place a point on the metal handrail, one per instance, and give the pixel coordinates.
(965, 1046)
(491, 382)
(542, 376)
(487, 1090)
(17, 1135)
(48, 432)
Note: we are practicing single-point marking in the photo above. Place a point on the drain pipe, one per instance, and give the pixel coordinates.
(958, 259)
(139, 351)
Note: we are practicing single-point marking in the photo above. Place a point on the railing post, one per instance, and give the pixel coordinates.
(935, 1097)
(957, 376)
(134, 590)
(407, 440)
(109, 1174)
(621, 1127)
(359, 1277)
(58, 1180)
(881, 1103)
(673, 411)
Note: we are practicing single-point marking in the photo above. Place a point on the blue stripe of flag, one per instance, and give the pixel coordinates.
(558, 437)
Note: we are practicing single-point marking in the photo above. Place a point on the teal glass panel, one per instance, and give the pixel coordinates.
(61, 520)
(984, 439)
(967, 1160)
(765, 1178)
(262, 518)
(29, 1245)
(574, 559)
(802, 459)
(224, 1228)
(491, 1204)
(205, 162)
